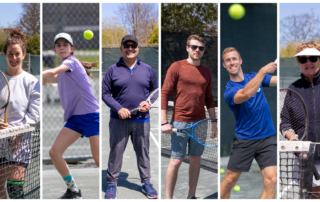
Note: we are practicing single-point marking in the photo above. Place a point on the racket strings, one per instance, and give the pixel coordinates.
(203, 131)
(154, 96)
(293, 114)
(4, 91)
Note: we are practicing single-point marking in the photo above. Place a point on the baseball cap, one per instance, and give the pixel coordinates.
(129, 37)
(309, 51)
(64, 36)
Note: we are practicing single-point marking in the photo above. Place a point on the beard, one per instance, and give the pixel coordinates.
(195, 58)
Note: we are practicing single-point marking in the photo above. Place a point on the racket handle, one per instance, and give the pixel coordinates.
(174, 130)
(315, 173)
(134, 110)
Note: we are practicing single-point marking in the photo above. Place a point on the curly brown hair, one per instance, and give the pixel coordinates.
(301, 46)
(16, 37)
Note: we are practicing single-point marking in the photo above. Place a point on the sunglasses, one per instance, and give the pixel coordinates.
(304, 59)
(193, 47)
(134, 45)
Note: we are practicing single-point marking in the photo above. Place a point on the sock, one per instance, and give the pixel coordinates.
(15, 189)
(71, 183)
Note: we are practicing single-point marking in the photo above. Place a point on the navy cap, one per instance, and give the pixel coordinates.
(129, 37)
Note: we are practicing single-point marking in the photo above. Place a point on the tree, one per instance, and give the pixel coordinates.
(112, 33)
(154, 36)
(138, 19)
(30, 20)
(190, 18)
(299, 28)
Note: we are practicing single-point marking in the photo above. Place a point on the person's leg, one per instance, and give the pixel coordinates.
(194, 171)
(3, 180)
(65, 138)
(15, 180)
(316, 194)
(229, 180)
(94, 144)
(269, 175)
(171, 176)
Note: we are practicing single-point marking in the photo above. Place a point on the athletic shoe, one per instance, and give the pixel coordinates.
(191, 197)
(111, 192)
(150, 192)
(71, 195)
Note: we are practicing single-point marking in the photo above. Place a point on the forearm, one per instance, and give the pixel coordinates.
(251, 88)
(212, 112)
(164, 116)
(48, 74)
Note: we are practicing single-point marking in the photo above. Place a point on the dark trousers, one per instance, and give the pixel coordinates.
(120, 131)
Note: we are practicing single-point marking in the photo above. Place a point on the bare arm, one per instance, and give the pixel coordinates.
(167, 128)
(251, 88)
(273, 81)
(53, 74)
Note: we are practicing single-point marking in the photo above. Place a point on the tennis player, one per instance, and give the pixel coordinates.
(254, 135)
(23, 108)
(308, 86)
(81, 108)
(126, 85)
(190, 83)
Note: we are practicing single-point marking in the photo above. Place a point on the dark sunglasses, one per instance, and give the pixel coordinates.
(193, 47)
(134, 45)
(304, 59)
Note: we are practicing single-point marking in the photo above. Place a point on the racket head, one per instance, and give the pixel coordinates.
(293, 113)
(4, 94)
(153, 97)
(202, 132)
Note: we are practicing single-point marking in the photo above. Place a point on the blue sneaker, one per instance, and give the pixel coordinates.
(111, 192)
(150, 192)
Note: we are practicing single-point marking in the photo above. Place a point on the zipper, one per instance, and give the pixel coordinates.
(315, 114)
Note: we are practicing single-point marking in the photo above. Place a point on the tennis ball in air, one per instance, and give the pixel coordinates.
(88, 34)
(236, 11)
(221, 171)
(236, 188)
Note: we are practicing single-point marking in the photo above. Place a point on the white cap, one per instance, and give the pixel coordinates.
(64, 36)
(309, 51)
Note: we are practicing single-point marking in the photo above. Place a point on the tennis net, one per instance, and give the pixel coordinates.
(209, 158)
(20, 162)
(296, 169)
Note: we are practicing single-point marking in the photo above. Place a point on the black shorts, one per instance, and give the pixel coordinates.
(244, 151)
(4, 161)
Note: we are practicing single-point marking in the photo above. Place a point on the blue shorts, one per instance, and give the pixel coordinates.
(179, 142)
(87, 125)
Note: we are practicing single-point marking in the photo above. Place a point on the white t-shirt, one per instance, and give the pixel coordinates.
(23, 108)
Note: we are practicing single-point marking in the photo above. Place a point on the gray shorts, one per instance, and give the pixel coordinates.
(179, 142)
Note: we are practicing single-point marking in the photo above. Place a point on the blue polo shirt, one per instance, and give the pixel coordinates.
(253, 117)
(123, 87)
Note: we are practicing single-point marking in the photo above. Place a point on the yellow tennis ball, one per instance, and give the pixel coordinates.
(236, 11)
(236, 188)
(221, 171)
(88, 34)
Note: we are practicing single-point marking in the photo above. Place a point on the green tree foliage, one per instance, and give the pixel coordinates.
(190, 18)
(154, 35)
(112, 32)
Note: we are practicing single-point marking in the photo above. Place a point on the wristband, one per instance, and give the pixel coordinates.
(164, 123)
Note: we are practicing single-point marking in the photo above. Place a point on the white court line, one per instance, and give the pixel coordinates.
(154, 139)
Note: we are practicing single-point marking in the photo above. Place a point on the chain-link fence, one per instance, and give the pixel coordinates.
(31, 63)
(74, 19)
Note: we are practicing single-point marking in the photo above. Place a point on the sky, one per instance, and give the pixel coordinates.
(109, 9)
(10, 13)
(289, 9)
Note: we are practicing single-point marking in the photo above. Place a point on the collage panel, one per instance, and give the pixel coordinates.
(70, 100)
(248, 50)
(299, 101)
(189, 98)
(130, 74)
(20, 101)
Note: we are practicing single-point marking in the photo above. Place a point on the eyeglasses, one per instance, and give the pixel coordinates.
(304, 59)
(193, 47)
(133, 45)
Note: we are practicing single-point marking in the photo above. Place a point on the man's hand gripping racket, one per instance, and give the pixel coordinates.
(147, 104)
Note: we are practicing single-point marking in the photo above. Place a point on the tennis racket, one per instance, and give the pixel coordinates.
(201, 132)
(294, 118)
(153, 97)
(4, 94)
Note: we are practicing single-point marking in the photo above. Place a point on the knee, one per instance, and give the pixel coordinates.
(270, 181)
(229, 181)
(54, 153)
(175, 163)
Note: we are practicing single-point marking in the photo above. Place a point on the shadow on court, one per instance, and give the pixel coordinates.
(129, 184)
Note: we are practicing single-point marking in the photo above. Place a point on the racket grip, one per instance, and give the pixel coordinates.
(174, 130)
(315, 173)
(134, 110)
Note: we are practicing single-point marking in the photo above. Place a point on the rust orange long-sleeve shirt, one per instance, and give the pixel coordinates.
(191, 88)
